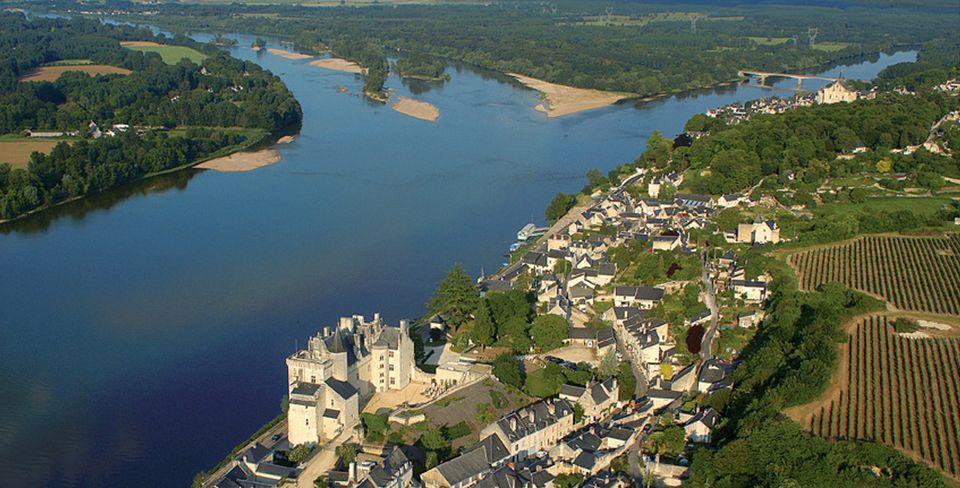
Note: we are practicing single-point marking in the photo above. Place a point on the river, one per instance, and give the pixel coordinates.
(144, 330)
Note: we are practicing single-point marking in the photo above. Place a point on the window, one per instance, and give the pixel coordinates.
(391, 353)
(313, 378)
(307, 421)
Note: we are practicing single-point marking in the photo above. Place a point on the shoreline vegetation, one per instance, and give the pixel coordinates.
(417, 109)
(560, 100)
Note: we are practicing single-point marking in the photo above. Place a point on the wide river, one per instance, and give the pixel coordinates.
(143, 332)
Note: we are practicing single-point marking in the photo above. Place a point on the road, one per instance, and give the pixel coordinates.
(322, 461)
(265, 439)
(706, 347)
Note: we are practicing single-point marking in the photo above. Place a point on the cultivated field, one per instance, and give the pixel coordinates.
(169, 54)
(52, 73)
(903, 392)
(17, 152)
(912, 273)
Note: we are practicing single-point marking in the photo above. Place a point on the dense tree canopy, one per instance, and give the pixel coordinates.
(224, 92)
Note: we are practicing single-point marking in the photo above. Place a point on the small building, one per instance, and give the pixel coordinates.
(637, 296)
(759, 232)
(701, 425)
(533, 428)
(470, 467)
(749, 319)
(749, 290)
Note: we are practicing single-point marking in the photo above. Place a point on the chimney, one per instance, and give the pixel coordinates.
(376, 317)
(532, 416)
(346, 323)
(404, 324)
(513, 423)
(352, 471)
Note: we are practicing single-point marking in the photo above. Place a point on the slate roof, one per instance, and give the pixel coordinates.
(585, 460)
(305, 389)
(389, 339)
(390, 469)
(639, 292)
(331, 413)
(573, 391)
(475, 461)
(709, 417)
(517, 424)
(341, 342)
(342, 388)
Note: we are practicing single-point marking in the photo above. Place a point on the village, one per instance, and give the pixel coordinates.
(362, 371)
(641, 300)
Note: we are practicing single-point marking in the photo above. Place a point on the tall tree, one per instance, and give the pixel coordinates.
(483, 328)
(455, 296)
(506, 367)
(549, 331)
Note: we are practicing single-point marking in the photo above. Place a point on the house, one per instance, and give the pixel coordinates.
(666, 242)
(256, 466)
(699, 428)
(759, 232)
(749, 290)
(713, 376)
(470, 467)
(699, 319)
(533, 428)
(602, 340)
(638, 296)
(596, 399)
(664, 398)
(581, 295)
(684, 379)
(327, 379)
(731, 200)
(535, 262)
(749, 319)
(693, 201)
(393, 471)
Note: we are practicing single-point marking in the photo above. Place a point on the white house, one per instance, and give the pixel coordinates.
(761, 232)
(700, 426)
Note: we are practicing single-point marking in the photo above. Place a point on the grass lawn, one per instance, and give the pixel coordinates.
(924, 205)
(769, 41)
(172, 54)
(732, 341)
(830, 46)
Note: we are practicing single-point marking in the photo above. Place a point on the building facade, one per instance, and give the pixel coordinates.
(339, 366)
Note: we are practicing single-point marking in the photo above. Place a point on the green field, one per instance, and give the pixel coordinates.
(769, 41)
(172, 54)
(924, 205)
(830, 46)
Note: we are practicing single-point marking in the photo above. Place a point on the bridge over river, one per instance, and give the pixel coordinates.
(763, 75)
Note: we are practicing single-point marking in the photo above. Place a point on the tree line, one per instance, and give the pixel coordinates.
(576, 45)
(223, 92)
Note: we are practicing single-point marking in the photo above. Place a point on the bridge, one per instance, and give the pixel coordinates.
(763, 75)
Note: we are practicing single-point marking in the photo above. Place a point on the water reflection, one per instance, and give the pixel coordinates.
(81, 208)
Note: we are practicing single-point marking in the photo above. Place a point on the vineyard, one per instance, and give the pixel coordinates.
(903, 392)
(912, 273)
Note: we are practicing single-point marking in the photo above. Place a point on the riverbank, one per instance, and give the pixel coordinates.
(338, 64)
(255, 137)
(560, 100)
(417, 109)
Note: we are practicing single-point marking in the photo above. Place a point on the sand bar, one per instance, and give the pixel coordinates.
(565, 100)
(242, 161)
(416, 108)
(337, 64)
(288, 54)
(285, 140)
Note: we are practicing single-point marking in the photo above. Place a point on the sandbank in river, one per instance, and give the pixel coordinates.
(565, 100)
(288, 54)
(416, 108)
(337, 64)
(242, 161)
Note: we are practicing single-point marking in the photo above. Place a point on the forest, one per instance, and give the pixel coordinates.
(224, 92)
(638, 48)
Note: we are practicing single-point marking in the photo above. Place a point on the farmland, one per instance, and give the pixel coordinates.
(16, 150)
(911, 273)
(52, 73)
(900, 391)
(169, 54)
